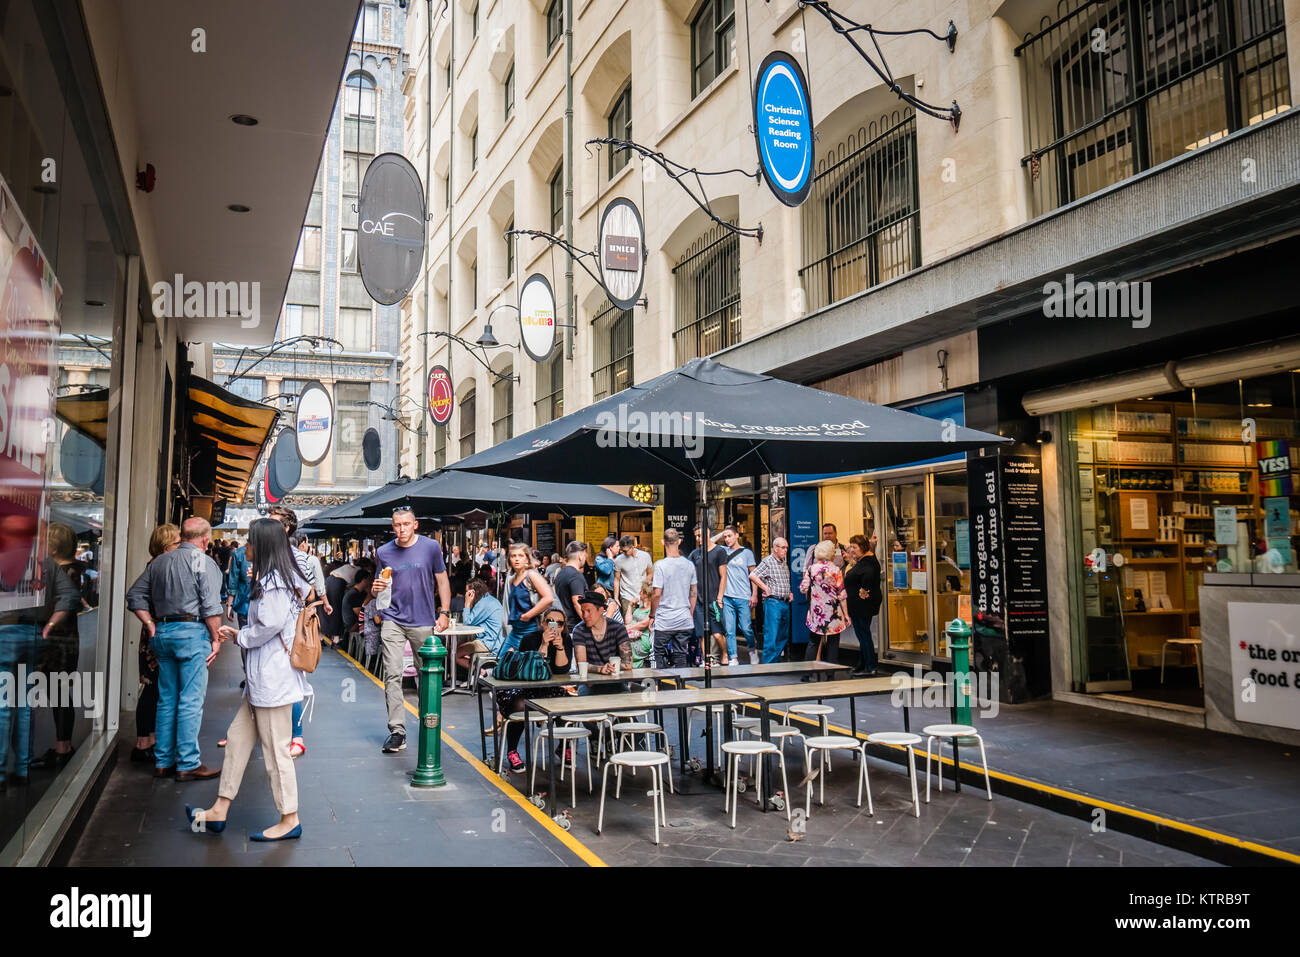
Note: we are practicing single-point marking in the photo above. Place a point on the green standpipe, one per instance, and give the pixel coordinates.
(428, 772)
(959, 644)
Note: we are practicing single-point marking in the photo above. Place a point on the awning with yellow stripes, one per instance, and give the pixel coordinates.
(87, 412)
(228, 433)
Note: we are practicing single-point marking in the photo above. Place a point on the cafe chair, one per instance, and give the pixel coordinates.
(823, 744)
(569, 737)
(900, 739)
(654, 760)
(735, 751)
(945, 732)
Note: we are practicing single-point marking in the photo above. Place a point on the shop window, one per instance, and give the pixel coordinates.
(508, 93)
(467, 424)
(861, 221)
(713, 38)
(554, 24)
(620, 128)
(1115, 88)
(612, 332)
(503, 407)
(707, 285)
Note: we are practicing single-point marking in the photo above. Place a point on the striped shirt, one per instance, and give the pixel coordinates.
(775, 574)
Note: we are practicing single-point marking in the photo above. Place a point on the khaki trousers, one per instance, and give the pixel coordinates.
(274, 728)
(394, 638)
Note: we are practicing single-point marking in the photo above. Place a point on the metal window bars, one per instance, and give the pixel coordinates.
(612, 336)
(707, 280)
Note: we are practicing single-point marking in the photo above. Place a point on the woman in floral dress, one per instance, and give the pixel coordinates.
(828, 614)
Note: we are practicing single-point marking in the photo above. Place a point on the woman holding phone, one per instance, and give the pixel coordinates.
(272, 684)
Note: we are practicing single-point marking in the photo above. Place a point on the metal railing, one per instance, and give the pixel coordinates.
(612, 337)
(549, 404)
(861, 220)
(707, 279)
(1114, 87)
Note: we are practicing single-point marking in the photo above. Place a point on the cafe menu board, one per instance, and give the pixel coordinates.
(1025, 545)
(545, 536)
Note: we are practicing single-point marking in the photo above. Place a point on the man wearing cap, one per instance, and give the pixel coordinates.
(599, 641)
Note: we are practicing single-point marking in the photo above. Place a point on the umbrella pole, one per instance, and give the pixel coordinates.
(707, 639)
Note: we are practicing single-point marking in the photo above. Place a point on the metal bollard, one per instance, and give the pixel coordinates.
(959, 645)
(428, 772)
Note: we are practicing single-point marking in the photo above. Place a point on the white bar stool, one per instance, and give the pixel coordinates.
(624, 735)
(945, 732)
(902, 739)
(601, 721)
(823, 744)
(654, 760)
(716, 712)
(821, 712)
(570, 736)
(534, 721)
(735, 750)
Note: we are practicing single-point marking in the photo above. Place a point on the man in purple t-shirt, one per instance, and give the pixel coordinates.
(410, 565)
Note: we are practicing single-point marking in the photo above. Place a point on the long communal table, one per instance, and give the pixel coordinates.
(656, 700)
(768, 695)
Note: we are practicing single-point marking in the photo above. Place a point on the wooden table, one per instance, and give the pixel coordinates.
(493, 684)
(851, 689)
(658, 700)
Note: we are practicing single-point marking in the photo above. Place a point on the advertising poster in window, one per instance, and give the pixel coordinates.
(30, 299)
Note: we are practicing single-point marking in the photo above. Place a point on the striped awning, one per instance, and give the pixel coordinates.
(87, 412)
(229, 433)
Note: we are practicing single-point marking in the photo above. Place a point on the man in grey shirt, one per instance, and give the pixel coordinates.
(178, 597)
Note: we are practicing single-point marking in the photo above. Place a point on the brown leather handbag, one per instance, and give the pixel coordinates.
(305, 655)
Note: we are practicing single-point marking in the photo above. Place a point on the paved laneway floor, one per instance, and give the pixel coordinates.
(358, 808)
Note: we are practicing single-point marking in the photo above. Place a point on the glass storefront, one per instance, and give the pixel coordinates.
(1165, 489)
(62, 282)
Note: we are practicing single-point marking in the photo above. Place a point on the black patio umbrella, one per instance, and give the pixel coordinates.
(453, 492)
(706, 421)
(353, 508)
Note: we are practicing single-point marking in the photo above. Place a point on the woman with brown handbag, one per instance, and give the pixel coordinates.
(828, 613)
(272, 684)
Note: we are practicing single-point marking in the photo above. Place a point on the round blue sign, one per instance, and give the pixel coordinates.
(783, 126)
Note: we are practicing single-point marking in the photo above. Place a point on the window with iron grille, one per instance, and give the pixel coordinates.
(557, 201)
(713, 34)
(707, 284)
(861, 220)
(612, 335)
(554, 24)
(509, 92)
(510, 250)
(467, 425)
(440, 448)
(549, 405)
(1116, 87)
(620, 128)
(503, 408)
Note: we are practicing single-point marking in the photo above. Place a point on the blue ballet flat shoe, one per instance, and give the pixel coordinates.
(216, 827)
(287, 836)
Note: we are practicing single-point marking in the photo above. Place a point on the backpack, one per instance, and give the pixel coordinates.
(521, 666)
(305, 654)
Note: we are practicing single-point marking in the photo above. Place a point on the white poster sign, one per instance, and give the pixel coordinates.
(1264, 647)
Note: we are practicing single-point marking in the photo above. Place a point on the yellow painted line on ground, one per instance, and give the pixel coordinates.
(587, 855)
(1082, 798)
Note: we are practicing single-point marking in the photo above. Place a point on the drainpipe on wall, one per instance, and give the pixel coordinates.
(568, 174)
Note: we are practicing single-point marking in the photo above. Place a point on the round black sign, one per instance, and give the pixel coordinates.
(370, 450)
(391, 233)
(286, 467)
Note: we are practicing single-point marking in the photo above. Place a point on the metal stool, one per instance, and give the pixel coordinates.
(654, 760)
(778, 733)
(834, 742)
(715, 714)
(625, 732)
(735, 750)
(820, 711)
(601, 721)
(569, 736)
(902, 739)
(533, 720)
(944, 732)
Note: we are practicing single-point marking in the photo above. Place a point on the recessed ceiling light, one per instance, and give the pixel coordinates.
(243, 119)
(238, 208)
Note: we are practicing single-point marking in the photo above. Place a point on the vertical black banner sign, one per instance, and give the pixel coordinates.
(1024, 546)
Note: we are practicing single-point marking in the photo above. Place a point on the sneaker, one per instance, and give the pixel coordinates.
(516, 762)
(396, 742)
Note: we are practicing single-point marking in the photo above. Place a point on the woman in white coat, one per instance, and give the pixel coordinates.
(272, 685)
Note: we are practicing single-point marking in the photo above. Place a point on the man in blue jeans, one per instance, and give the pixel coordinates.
(739, 595)
(772, 579)
(178, 597)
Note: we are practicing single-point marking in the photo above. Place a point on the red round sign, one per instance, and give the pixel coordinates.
(441, 397)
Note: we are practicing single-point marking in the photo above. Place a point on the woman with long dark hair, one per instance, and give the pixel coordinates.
(272, 684)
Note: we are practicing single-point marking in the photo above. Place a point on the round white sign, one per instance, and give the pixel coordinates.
(537, 317)
(621, 253)
(314, 423)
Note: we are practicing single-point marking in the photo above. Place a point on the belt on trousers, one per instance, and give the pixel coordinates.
(171, 618)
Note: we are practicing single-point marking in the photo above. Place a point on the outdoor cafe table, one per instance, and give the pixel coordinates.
(600, 704)
(767, 695)
(494, 684)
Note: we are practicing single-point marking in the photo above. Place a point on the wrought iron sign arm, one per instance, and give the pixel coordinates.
(846, 27)
(274, 348)
(474, 350)
(677, 173)
(579, 255)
